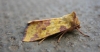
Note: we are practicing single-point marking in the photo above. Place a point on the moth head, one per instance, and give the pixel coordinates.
(71, 19)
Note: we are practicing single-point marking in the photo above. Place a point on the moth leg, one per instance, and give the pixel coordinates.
(61, 36)
(82, 33)
(58, 35)
(41, 41)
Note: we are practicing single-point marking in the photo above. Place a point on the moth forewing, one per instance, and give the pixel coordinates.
(40, 29)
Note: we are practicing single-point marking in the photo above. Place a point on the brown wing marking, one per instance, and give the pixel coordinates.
(47, 22)
(41, 26)
(44, 24)
(62, 28)
(34, 37)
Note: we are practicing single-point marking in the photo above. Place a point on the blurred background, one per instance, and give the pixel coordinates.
(14, 15)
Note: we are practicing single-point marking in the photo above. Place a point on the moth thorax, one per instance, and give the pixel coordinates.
(68, 18)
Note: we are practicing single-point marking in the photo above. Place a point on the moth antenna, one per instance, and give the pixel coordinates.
(82, 33)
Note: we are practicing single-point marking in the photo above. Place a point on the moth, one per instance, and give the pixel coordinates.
(41, 29)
